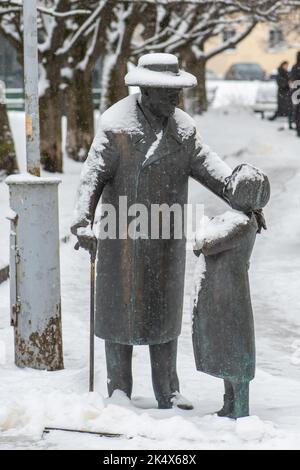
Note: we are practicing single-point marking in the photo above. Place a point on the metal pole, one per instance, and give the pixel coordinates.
(31, 80)
(34, 254)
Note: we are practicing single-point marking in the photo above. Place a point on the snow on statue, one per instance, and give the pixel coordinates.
(145, 149)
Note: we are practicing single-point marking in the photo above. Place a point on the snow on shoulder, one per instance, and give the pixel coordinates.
(122, 116)
(218, 227)
(186, 128)
(185, 123)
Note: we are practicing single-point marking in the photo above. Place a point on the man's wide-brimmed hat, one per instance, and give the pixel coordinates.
(159, 71)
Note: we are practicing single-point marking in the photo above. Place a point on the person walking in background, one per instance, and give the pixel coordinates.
(284, 97)
(295, 77)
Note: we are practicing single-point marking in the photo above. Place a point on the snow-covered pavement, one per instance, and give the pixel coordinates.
(30, 400)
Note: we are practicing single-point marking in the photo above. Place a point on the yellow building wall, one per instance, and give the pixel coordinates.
(253, 49)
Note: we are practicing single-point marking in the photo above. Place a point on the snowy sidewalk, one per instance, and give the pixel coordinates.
(31, 400)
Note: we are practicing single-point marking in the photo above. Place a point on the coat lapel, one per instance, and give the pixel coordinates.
(170, 141)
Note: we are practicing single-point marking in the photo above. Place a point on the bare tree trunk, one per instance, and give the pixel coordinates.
(51, 102)
(115, 65)
(51, 132)
(8, 160)
(116, 88)
(196, 98)
(113, 86)
(80, 115)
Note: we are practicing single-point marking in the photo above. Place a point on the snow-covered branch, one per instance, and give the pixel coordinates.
(91, 21)
(232, 42)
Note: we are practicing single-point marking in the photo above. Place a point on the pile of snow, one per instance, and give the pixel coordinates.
(241, 94)
(26, 419)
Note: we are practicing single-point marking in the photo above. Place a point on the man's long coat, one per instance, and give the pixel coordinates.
(140, 282)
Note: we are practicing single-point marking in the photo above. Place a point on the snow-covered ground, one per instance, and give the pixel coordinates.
(30, 400)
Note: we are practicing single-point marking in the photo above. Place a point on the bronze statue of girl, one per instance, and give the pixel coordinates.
(223, 326)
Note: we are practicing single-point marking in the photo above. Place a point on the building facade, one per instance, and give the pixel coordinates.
(267, 45)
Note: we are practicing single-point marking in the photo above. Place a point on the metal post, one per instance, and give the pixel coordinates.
(34, 240)
(31, 87)
(35, 272)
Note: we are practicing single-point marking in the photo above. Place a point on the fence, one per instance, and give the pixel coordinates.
(15, 98)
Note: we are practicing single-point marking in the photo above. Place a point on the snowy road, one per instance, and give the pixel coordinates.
(30, 400)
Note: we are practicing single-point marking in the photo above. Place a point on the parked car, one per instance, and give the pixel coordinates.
(211, 75)
(246, 71)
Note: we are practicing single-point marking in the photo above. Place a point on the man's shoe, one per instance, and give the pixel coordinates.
(181, 402)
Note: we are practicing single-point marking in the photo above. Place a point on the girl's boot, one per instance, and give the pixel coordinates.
(228, 401)
(241, 400)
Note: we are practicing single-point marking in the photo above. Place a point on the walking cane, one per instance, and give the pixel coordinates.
(93, 252)
(92, 320)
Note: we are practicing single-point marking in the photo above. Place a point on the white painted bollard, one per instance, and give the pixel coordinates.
(35, 272)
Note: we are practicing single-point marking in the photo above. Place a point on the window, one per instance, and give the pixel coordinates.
(228, 34)
(11, 72)
(276, 38)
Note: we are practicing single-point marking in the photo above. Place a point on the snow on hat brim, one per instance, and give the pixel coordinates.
(144, 77)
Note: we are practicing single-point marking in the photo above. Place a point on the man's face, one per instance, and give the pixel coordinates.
(161, 101)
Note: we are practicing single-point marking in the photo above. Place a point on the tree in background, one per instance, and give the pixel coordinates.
(73, 34)
(187, 29)
(8, 160)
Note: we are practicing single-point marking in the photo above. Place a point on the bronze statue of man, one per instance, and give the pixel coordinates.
(145, 150)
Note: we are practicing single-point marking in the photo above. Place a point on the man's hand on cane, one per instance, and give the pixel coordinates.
(86, 240)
